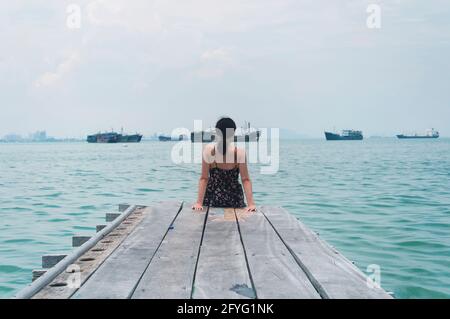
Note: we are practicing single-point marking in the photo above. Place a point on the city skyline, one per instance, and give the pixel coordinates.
(150, 66)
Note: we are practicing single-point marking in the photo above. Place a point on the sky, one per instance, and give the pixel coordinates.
(154, 65)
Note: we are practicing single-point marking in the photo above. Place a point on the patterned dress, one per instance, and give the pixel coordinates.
(224, 189)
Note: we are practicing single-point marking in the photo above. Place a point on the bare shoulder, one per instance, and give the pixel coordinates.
(208, 153)
(240, 154)
(208, 148)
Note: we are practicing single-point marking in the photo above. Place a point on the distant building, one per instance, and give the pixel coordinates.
(39, 136)
(12, 138)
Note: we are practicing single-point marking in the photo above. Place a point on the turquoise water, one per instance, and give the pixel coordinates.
(379, 201)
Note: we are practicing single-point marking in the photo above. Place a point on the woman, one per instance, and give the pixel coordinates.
(222, 163)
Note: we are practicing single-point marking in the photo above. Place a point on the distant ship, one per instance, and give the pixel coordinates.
(164, 138)
(246, 134)
(113, 137)
(206, 136)
(168, 138)
(346, 135)
(429, 134)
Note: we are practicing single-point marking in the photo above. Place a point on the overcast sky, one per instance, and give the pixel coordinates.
(305, 65)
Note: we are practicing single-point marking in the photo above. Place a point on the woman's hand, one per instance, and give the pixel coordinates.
(197, 206)
(250, 208)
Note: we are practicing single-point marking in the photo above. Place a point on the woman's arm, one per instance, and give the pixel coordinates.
(202, 183)
(246, 182)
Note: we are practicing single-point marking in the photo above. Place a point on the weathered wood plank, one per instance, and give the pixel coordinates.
(275, 273)
(222, 268)
(171, 272)
(332, 274)
(118, 276)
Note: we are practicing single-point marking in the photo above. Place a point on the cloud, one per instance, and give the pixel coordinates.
(215, 62)
(217, 55)
(65, 67)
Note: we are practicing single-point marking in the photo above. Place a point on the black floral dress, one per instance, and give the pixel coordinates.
(224, 189)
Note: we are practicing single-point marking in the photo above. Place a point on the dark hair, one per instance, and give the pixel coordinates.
(222, 125)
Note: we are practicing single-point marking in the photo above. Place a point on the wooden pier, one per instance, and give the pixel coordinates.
(169, 251)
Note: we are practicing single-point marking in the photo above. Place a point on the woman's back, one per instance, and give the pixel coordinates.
(222, 164)
(223, 188)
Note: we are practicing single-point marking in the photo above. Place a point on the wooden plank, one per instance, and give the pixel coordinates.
(222, 268)
(275, 273)
(171, 272)
(118, 276)
(333, 275)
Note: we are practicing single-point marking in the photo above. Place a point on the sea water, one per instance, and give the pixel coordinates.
(381, 201)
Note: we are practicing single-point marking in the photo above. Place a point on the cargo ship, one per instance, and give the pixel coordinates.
(346, 135)
(168, 138)
(243, 134)
(113, 137)
(206, 136)
(429, 134)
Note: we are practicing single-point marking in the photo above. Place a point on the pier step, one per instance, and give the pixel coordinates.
(77, 241)
(123, 207)
(109, 217)
(99, 228)
(36, 273)
(49, 261)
